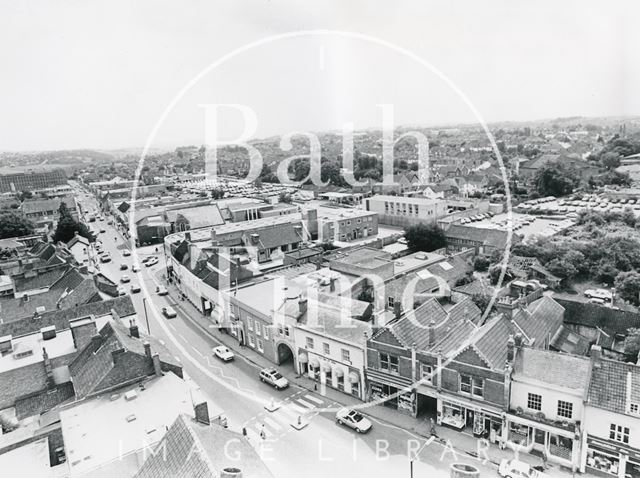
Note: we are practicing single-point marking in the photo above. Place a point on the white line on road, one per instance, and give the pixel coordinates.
(197, 351)
(272, 423)
(305, 403)
(314, 399)
(182, 336)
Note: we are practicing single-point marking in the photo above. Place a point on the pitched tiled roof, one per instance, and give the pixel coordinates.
(540, 321)
(491, 341)
(551, 367)
(611, 383)
(21, 381)
(123, 306)
(271, 237)
(95, 361)
(195, 450)
(593, 315)
(568, 341)
(45, 400)
(40, 281)
(17, 309)
(451, 269)
(70, 280)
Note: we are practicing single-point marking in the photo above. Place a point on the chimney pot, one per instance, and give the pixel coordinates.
(511, 346)
(133, 329)
(147, 348)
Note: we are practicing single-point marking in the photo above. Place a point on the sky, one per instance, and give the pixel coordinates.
(108, 74)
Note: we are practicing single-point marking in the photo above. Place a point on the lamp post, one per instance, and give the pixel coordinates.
(146, 316)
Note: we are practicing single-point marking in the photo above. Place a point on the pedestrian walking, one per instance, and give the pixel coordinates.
(432, 425)
(244, 432)
(223, 422)
(263, 434)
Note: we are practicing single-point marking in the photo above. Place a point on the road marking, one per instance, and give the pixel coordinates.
(314, 399)
(182, 336)
(197, 351)
(305, 403)
(297, 408)
(173, 327)
(259, 429)
(161, 342)
(272, 423)
(177, 358)
(291, 414)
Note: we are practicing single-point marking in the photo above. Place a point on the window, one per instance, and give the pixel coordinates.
(346, 356)
(619, 433)
(389, 363)
(465, 383)
(265, 331)
(280, 331)
(565, 409)
(426, 376)
(309, 342)
(391, 301)
(634, 408)
(478, 387)
(252, 340)
(258, 327)
(286, 331)
(534, 401)
(250, 324)
(260, 345)
(326, 349)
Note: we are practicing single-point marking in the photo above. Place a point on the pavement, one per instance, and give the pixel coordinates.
(464, 444)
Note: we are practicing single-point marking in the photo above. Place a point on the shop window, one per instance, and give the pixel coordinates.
(326, 349)
(560, 446)
(619, 433)
(603, 461)
(389, 363)
(565, 409)
(309, 343)
(534, 401)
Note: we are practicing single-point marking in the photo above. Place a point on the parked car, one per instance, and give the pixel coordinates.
(518, 469)
(162, 290)
(126, 253)
(135, 288)
(135, 268)
(169, 312)
(105, 257)
(603, 294)
(273, 378)
(353, 419)
(125, 278)
(152, 262)
(123, 267)
(122, 290)
(223, 353)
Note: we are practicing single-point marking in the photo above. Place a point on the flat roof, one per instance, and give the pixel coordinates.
(267, 294)
(109, 427)
(340, 213)
(31, 459)
(257, 223)
(414, 261)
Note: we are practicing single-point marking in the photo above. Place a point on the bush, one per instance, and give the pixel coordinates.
(481, 264)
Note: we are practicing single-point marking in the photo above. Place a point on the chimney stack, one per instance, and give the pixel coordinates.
(596, 352)
(511, 349)
(397, 309)
(47, 368)
(156, 365)
(147, 348)
(518, 340)
(302, 304)
(133, 329)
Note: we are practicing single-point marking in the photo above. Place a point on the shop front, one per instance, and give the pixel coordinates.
(396, 395)
(480, 422)
(559, 444)
(606, 458)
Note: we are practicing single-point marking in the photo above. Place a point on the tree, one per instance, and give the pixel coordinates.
(610, 160)
(424, 237)
(481, 300)
(628, 286)
(23, 195)
(14, 225)
(217, 193)
(67, 226)
(632, 344)
(285, 198)
(481, 264)
(555, 180)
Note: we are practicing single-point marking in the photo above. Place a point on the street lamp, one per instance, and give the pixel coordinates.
(146, 316)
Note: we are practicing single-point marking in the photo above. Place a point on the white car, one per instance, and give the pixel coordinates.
(135, 268)
(518, 469)
(353, 419)
(122, 290)
(125, 278)
(598, 294)
(169, 312)
(402, 240)
(126, 253)
(274, 378)
(162, 291)
(223, 353)
(135, 288)
(152, 262)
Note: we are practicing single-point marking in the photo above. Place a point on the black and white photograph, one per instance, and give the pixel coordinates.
(320, 239)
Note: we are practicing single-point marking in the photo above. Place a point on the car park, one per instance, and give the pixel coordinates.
(169, 312)
(273, 378)
(353, 419)
(223, 353)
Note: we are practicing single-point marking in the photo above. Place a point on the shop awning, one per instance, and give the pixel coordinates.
(313, 362)
(326, 367)
(338, 371)
(354, 377)
(303, 357)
